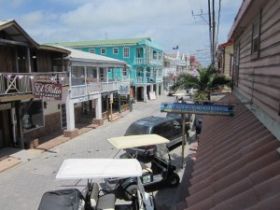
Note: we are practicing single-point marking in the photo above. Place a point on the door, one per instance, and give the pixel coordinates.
(63, 116)
(6, 136)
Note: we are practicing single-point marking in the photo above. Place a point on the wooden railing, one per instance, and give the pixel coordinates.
(21, 83)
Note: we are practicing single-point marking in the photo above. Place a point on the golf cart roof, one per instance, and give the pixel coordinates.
(126, 142)
(99, 168)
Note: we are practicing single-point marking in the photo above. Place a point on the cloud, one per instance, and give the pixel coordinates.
(169, 23)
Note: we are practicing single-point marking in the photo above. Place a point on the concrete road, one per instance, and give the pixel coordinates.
(21, 187)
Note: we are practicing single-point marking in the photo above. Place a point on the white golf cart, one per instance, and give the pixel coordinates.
(95, 198)
(158, 171)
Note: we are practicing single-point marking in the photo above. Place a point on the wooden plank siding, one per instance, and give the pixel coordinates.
(259, 78)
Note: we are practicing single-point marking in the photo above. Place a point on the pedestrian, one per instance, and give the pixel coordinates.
(198, 127)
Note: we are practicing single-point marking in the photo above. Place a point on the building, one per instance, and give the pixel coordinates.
(237, 161)
(174, 65)
(225, 58)
(46, 89)
(143, 56)
(96, 86)
(256, 72)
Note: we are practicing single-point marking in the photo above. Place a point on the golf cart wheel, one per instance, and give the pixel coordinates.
(131, 192)
(173, 180)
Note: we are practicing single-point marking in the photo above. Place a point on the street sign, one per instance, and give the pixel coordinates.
(202, 109)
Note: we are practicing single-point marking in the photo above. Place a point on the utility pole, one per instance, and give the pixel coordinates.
(213, 30)
(210, 32)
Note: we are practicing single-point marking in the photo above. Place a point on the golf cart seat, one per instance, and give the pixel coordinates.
(145, 168)
(101, 202)
(65, 199)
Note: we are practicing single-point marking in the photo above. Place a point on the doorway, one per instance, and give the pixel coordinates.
(6, 134)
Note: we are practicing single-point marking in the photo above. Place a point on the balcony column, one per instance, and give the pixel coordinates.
(70, 118)
(98, 108)
(145, 96)
(144, 75)
(28, 59)
(157, 90)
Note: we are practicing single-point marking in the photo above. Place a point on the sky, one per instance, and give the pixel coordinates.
(167, 22)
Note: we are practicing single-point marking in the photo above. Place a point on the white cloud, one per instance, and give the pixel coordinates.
(169, 23)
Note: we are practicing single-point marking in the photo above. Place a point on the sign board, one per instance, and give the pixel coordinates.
(48, 89)
(202, 109)
(152, 95)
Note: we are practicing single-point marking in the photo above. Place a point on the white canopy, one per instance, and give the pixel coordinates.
(125, 142)
(99, 168)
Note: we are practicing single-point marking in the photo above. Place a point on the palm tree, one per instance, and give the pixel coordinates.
(206, 82)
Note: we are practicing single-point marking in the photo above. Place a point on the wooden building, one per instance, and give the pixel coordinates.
(256, 73)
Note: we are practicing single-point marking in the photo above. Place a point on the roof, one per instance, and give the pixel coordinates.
(236, 166)
(99, 168)
(105, 42)
(79, 55)
(16, 32)
(111, 43)
(132, 141)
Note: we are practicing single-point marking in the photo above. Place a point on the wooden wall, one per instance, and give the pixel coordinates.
(259, 79)
(7, 59)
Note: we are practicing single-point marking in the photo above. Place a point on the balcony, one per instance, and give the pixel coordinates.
(99, 87)
(140, 61)
(12, 84)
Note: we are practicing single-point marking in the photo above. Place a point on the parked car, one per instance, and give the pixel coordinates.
(169, 128)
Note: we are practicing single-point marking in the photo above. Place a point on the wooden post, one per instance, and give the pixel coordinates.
(183, 138)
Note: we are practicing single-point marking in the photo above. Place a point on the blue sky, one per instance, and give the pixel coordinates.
(169, 23)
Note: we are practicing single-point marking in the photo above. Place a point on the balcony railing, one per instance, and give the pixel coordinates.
(99, 87)
(140, 61)
(21, 83)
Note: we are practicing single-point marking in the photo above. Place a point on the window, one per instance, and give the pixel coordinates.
(91, 50)
(159, 56)
(33, 116)
(78, 75)
(103, 51)
(115, 51)
(255, 45)
(139, 53)
(124, 72)
(102, 74)
(126, 52)
(91, 74)
(154, 54)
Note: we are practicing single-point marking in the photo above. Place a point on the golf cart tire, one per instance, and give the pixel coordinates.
(131, 191)
(173, 180)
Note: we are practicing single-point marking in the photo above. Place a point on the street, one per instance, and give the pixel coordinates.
(21, 187)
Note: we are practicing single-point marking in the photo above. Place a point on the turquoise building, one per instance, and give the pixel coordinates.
(144, 59)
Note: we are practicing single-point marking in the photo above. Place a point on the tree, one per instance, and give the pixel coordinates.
(205, 82)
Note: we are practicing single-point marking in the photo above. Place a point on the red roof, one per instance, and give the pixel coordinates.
(237, 165)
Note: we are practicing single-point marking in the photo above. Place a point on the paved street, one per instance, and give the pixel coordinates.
(22, 186)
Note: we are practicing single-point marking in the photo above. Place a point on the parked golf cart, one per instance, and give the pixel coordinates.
(96, 197)
(158, 171)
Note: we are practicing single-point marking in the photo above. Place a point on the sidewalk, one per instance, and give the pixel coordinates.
(10, 157)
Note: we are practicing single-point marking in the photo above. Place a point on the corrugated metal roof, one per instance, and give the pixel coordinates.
(79, 55)
(237, 165)
(109, 42)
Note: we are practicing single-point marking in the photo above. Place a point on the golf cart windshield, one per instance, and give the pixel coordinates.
(99, 168)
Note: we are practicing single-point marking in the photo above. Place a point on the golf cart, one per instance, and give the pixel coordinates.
(158, 171)
(95, 198)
